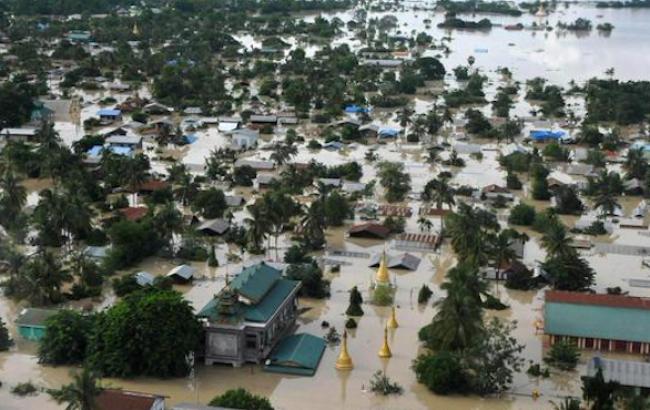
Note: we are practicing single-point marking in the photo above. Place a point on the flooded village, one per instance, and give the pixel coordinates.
(324, 204)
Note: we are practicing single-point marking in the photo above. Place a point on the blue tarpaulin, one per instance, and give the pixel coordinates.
(544, 135)
(191, 139)
(109, 113)
(95, 151)
(353, 109)
(386, 132)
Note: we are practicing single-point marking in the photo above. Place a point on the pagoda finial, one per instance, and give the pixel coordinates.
(392, 322)
(344, 361)
(385, 352)
(382, 275)
(136, 30)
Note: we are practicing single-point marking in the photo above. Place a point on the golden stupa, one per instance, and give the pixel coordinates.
(385, 352)
(344, 361)
(382, 276)
(392, 322)
(136, 30)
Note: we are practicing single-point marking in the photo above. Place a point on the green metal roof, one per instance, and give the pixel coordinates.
(597, 321)
(297, 354)
(34, 317)
(255, 281)
(260, 312)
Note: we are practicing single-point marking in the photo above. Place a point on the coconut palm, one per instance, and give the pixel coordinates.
(568, 403)
(555, 241)
(607, 203)
(135, 173)
(82, 393)
(425, 224)
(459, 320)
(440, 193)
(168, 221)
(257, 228)
(313, 225)
(502, 251)
(635, 164)
(283, 152)
(12, 196)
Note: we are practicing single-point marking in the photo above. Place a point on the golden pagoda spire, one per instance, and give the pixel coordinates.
(392, 322)
(385, 352)
(136, 30)
(344, 361)
(382, 275)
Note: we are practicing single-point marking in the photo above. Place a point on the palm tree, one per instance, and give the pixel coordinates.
(283, 152)
(502, 251)
(425, 224)
(635, 164)
(459, 320)
(555, 241)
(607, 203)
(569, 403)
(12, 196)
(257, 228)
(135, 173)
(404, 116)
(82, 393)
(42, 278)
(313, 225)
(439, 192)
(168, 221)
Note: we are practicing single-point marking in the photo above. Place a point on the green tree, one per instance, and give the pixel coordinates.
(66, 338)
(459, 319)
(257, 228)
(211, 203)
(395, 181)
(313, 225)
(336, 208)
(82, 393)
(563, 355)
(599, 394)
(354, 308)
(441, 372)
(241, 399)
(121, 343)
(5, 340)
(13, 197)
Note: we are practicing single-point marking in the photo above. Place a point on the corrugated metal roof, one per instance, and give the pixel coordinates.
(34, 316)
(572, 316)
(297, 354)
(255, 281)
(626, 372)
(621, 301)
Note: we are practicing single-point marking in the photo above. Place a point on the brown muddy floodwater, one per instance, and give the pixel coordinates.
(332, 389)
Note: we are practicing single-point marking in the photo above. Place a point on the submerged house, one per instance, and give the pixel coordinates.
(247, 319)
(597, 321)
(31, 322)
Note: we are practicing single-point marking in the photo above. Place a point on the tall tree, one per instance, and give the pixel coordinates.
(82, 393)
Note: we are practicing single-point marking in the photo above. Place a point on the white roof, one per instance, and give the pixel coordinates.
(183, 271)
(626, 372)
(124, 139)
(25, 132)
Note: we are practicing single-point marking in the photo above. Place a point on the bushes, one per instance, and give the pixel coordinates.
(563, 355)
(424, 294)
(241, 399)
(354, 309)
(382, 295)
(441, 372)
(313, 284)
(380, 383)
(5, 340)
(522, 214)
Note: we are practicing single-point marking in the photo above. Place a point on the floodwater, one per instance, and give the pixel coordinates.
(559, 57)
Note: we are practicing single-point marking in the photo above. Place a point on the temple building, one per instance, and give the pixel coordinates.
(250, 315)
(600, 322)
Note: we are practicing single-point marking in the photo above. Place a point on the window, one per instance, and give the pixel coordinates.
(251, 341)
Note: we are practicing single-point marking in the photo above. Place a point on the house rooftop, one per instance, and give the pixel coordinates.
(297, 354)
(114, 399)
(34, 316)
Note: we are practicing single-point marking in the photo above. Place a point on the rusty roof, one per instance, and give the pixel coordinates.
(113, 399)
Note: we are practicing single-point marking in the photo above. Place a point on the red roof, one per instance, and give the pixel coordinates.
(395, 210)
(112, 399)
(434, 211)
(617, 301)
(152, 185)
(418, 237)
(134, 213)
